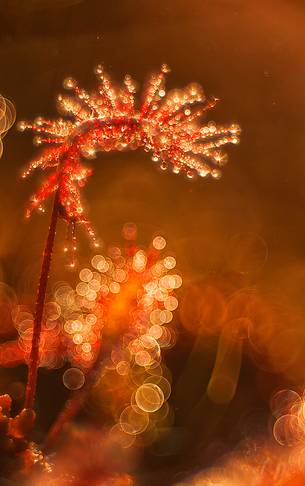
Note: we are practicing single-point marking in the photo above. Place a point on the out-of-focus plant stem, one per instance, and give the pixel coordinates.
(42, 289)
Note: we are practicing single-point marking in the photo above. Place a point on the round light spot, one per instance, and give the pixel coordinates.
(169, 262)
(288, 431)
(78, 338)
(85, 275)
(133, 421)
(143, 358)
(123, 368)
(114, 287)
(149, 397)
(82, 289)
(155, 331)
(86, 347)
(162, 383)
(91, 319)
(73, 378)
(159, 243)
(171, 303)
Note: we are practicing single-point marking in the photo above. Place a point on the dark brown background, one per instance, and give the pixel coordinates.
(248, 53)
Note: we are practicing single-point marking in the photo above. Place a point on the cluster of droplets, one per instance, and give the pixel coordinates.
(138, 358)
(7, 118)
(125, 300)
(166, 125)
(288, 408)
(148, 411)
(130, 285)
(82, 319)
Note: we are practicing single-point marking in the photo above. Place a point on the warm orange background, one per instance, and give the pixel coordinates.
(250, 224)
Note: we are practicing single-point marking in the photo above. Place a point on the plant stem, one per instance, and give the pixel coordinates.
(75, 403)
(42, 288)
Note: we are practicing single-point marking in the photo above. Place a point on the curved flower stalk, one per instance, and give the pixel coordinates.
(108, 119)
(166, 125)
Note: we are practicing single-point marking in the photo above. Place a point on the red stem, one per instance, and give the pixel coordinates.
(42, 288)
